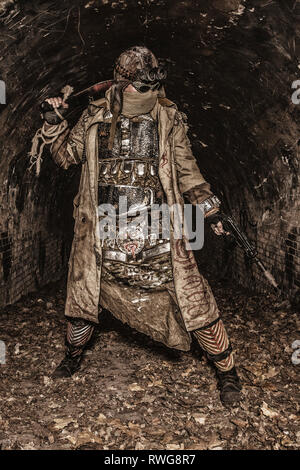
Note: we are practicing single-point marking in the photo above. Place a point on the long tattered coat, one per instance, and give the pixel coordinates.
(178, 173)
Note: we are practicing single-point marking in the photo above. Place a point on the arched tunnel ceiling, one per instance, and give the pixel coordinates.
(230, 63)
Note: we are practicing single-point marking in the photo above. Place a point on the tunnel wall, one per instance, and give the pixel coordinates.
(28, 261)
(230, 65)
(250, 148)
(34, 231)
(278, 246)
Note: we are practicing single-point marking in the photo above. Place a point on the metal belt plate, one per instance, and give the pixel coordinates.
(115, 255)
(138, 198)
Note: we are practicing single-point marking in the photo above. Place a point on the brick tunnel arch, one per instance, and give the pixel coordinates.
(231, 66)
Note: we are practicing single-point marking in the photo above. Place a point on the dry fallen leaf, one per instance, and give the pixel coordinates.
(187, 372)
(155, 421)
(286, 442)
(61, 423)
(85, 437)
(155, 383)
(139, 446)
(135, 387)
(239, 422)
(272, 372)
(255, 369)
(267, 411)
(101, 419)
(134, 425)
(173, 446)
(156, 432)
(201, 445)
(47, 380)
(199, 418)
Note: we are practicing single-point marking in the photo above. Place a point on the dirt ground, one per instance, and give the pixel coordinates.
(132, 393)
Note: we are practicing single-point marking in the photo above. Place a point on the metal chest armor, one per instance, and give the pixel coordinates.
(131, 168)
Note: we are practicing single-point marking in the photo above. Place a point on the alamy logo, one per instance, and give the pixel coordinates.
(296, 94)
(131, 226)
(2, 352)
(2, 92)
(296, 353)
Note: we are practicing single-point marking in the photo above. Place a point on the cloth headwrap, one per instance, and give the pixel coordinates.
(135, 104)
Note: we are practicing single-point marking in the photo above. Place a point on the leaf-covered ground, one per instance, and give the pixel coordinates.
(134, 394)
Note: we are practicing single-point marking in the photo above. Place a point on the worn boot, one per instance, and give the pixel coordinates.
(229, 386)
(69, 365)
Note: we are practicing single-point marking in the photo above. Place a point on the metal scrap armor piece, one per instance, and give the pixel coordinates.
(138, 198)
(209, 204)
(133, 138)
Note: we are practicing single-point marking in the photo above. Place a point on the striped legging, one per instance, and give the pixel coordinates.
(79, 332)
(214, 340)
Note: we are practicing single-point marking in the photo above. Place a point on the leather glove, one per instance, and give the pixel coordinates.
(49, 115)
(214, 220)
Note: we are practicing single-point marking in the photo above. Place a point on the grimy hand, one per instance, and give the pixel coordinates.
(57, 102)
(219, 229)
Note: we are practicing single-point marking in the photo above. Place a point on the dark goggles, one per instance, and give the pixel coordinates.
(142, 87)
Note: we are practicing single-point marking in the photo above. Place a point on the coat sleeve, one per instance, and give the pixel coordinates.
(191, 182)
(68, 148)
